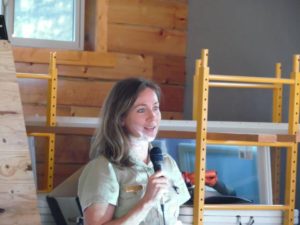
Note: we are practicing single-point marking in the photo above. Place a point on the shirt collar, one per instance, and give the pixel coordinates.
(138, 162)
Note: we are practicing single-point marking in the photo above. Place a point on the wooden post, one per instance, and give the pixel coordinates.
(101, 25)
(17, 187)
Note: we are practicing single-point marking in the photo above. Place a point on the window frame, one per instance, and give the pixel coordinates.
(77, 44)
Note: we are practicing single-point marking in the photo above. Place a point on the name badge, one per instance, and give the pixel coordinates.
(133, 188)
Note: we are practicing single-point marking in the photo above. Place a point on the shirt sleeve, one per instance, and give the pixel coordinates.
(98, 183)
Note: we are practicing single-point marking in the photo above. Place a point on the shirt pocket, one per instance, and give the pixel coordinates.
(130, 195)
(180, 191)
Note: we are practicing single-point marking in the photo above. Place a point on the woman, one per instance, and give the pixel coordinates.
(119, 185)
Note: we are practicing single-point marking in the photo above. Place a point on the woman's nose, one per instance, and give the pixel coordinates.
(151, 114)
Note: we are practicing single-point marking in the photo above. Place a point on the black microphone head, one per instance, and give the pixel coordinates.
(156, 158)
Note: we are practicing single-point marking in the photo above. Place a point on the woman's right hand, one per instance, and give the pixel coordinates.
(157, 186)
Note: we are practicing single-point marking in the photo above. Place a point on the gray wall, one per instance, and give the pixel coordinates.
(244, 38)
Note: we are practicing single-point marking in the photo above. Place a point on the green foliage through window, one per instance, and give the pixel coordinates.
(44, 19)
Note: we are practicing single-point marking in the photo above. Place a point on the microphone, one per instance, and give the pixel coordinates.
(156, 158)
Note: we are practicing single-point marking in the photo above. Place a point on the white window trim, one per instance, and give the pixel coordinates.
(78, 44)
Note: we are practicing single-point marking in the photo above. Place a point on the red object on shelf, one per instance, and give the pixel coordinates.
(211, 177)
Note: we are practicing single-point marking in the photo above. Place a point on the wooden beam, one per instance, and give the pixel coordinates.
(7, 70)
(17, 188)
(101, 25)
(65, 57)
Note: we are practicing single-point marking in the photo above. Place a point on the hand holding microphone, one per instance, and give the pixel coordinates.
(158, 183)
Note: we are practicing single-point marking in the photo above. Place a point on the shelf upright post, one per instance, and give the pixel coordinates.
(276, 118)
(52, 91)
(201, 137)
(51, 121)
(51, 118)
(291, 158)
(196, 89)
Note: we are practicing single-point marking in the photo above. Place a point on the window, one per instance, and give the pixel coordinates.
(46, 23)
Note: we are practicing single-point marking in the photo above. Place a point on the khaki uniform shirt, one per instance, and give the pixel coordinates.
(103, 182)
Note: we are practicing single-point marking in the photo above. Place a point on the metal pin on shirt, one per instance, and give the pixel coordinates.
(176, 189)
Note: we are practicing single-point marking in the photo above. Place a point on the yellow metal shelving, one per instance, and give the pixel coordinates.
(51, 119)
(203, 80)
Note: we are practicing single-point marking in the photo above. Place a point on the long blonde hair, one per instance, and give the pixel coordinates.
(111, 139)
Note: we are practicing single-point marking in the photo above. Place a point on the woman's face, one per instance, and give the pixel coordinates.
(142, 120)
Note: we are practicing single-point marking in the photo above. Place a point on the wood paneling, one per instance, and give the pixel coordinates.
(17, 189)
(81, 111)
(127, 65)
(65, 57)
(85, 111)
(90, 93)
(90, 25)
(70, 92)
(172, 98)
(40, 110)
(78, 111)
(12, 124)
(146, 40)
(101, 25)
(171, 115)
(154, 13)
(9, 68)
(169, 69)
(68, 148)
(61, 172)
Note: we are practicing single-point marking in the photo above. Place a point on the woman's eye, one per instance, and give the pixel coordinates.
(156, 108)
(141, 110)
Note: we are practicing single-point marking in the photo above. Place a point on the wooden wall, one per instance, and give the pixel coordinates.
(123, 38)
(18, 202)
